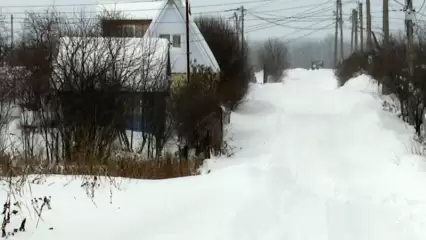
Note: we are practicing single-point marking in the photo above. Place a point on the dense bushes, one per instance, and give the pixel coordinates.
(232, 57)
(355, 64)
(197, 112)
(391, 71)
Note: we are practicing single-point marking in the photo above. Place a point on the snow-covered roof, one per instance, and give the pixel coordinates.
(142, 62)
(134, 10)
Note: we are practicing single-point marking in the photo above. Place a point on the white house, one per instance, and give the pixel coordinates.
(167, 19)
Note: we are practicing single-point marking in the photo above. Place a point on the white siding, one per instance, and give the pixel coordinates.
(170, 22)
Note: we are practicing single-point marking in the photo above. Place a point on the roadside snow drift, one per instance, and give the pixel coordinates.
(312, 162)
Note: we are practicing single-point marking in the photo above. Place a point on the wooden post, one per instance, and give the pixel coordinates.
(369, 41)
(336, 32)
(361, 28)
(356, 29)
(352, 31)
(188, 55)
(341, 30)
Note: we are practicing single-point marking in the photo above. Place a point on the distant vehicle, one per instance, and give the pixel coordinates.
(317, 65)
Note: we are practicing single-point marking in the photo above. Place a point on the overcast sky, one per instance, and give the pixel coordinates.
(316, 16)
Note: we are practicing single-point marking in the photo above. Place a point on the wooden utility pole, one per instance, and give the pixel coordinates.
(369, 42)
(188, 55)
(409, 15)
(242, 28)
(237, 22)
(11, 31)
(356, 29)
(385, 28)
(361, 28)
(341, 30)
(352, 31)
(336, 32)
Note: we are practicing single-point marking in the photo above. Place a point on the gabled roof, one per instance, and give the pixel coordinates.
(154, 11)
(196, 38)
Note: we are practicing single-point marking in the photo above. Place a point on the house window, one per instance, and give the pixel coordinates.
(139, 30)
(165, 36)
(129, 30)
(176, 41)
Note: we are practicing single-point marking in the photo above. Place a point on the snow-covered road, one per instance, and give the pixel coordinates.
(334, 164)
(311, 162)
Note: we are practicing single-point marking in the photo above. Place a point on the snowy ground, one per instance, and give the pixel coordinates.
(312, 162)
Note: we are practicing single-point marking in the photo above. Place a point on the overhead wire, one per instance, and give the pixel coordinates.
(423, 4)
(305, 14)
(310, 33)
(123, 2)
(282, 25)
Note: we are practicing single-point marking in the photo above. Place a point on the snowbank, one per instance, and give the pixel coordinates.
(312, 161)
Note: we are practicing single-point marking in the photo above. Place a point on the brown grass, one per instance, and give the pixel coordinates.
(136, 168)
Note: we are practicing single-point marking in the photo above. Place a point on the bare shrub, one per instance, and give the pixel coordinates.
(83, 88)
(197, 112)
(274, 58)
(396, 80)
(350, 67)
(232, 57)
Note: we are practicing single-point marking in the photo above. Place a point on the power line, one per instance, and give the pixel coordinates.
(293, 8)
(423, 4)
(310, 33)
(305, 35)
(265, 4)
(399, 3)
(282, 25)
(153, 9)
(293, 18)
(123, 2)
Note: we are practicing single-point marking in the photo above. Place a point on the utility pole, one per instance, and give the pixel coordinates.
(237, 22)
(361, 27)
(11, 31)
(336, 32)
(409, 15)
(188, 55)
(341, 30)
(242, 29)
(369, 42)
(385, 29)
(356, 28)
(352, 31)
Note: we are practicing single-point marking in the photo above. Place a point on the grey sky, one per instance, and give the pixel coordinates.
(318, 14)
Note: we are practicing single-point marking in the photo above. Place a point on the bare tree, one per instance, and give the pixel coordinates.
(274, 58)
(4, 46)
(198, 114)
(91, 84)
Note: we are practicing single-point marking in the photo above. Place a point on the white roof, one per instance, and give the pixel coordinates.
(134, 10)
(143, 61)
